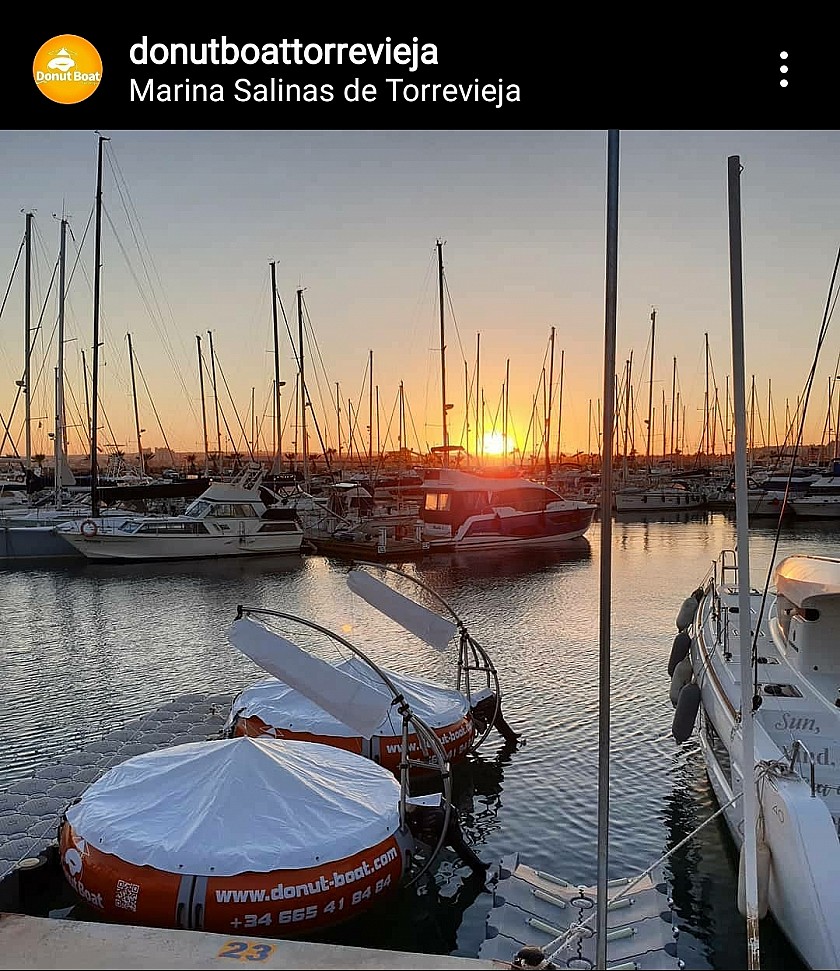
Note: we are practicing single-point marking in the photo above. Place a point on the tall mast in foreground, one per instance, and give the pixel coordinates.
(97, 268)
(742, 519)
(610, 305)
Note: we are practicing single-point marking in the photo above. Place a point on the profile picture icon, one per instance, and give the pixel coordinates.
(67, 69)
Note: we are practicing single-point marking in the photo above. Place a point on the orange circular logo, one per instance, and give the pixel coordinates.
(67, 69)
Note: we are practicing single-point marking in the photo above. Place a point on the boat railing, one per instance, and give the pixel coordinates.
(724, 568)
(799, 746)
(728, 562)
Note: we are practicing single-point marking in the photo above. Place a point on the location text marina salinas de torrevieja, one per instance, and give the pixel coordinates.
(405, 56)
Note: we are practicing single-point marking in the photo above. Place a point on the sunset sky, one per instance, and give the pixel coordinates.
(192, 220)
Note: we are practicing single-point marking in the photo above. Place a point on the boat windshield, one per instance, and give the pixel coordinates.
(524, 499)
(198, 509)
(128, 526)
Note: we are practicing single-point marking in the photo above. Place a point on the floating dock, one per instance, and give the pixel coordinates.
(555, 920)
(30, 813)
(31, 809)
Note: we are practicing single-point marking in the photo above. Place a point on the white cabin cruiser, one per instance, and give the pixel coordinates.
(227, 519)
(462, 511)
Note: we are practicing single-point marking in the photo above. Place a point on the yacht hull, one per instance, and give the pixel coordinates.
(104, 547)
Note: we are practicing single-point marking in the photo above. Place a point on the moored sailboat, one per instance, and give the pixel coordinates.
(765, 687)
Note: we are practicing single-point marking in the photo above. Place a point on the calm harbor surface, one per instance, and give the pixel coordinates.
(88, 647)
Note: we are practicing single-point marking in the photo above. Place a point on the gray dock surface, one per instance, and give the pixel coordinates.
(40, 942)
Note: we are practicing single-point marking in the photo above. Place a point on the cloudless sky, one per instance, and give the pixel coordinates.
(193, 218)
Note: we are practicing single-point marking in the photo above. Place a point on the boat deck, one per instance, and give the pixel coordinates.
(391, 551)
(797, 708)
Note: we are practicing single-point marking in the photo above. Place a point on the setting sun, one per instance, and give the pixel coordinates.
(494, 443)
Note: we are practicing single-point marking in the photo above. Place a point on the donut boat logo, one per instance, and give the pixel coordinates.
(67, 69)
(281, 903)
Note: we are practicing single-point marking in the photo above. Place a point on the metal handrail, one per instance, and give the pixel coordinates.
(797, 745)
(471, 655)
(728, 567)
(426, 737)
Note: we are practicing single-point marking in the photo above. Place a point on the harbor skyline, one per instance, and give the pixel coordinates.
(193, 220)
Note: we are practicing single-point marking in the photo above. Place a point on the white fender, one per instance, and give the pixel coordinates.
(763, 874)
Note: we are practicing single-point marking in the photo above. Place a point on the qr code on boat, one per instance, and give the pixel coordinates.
(126, 895)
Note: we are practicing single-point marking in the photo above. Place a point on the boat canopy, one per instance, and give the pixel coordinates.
(455, 480)
(241, 805)
(801, 577)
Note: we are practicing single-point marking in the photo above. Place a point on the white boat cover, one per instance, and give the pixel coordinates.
(357, 703)
(800, 577)
(281, 706)
(424, 623)
(240, 805)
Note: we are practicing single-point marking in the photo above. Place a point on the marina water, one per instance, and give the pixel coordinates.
(89, 647)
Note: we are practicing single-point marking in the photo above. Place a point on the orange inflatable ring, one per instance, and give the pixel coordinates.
(456, 738)
(282, 903)
(88, 528)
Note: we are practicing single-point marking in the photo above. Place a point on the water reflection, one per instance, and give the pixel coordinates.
(664, 516)
(87, 647)
(503, 564)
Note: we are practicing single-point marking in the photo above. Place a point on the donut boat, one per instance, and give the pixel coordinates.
(272, 708)
(263, 836)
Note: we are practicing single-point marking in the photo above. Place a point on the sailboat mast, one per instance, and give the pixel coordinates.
(215, 401)
(253, 424)
(705, 448)
(605, 595)
(664, 423)
(304, 448)
(278, 414)
(338, 417)
(742, 518)
(87, 394)
(442, 356)
(203, 406)
(401, 419)
(650, 387)
(140, 459)
(548, 408)
(673, 405)
(505, 406)
(370, 412)
(58, 450)
(27, 343)
(479, 431)
(560, 404)
(467, 408)
(97, 269)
